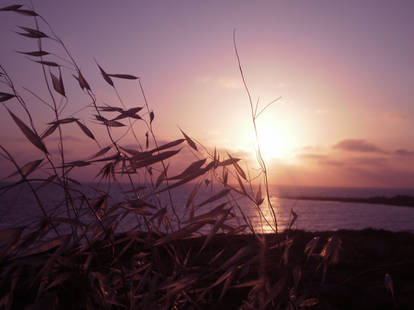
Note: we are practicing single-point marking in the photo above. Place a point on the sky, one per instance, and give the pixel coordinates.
(342, 70)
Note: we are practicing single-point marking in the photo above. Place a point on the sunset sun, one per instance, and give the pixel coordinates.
(275, 140)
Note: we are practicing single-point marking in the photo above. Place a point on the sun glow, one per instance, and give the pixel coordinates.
(278, 136)
(276, 141)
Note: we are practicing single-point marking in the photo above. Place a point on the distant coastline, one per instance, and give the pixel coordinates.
(398, 200)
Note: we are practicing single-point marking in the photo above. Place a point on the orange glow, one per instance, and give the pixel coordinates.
(275, 141)
(277, 138)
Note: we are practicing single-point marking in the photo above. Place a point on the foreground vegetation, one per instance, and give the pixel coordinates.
(171, 259)
(79, 277)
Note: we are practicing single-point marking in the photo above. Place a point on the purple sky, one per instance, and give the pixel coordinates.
(344, 70)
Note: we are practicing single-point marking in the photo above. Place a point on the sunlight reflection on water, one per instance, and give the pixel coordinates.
(263, 219)
(324, 215)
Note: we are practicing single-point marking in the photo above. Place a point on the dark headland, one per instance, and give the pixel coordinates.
(398, 200)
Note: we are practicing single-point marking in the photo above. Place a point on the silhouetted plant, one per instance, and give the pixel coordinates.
(159, 263)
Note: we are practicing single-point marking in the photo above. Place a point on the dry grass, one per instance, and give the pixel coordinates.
(162, 263)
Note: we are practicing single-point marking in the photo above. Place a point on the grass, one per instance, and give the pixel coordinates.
(196, 260)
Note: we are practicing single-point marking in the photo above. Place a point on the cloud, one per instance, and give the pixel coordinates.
(367, 161)
(350, 162)
(358, 145)
(404, 152)
(331, 160)
(364, 146)
(225, 82)
(312, 156)
(321, 159)
(309, 149)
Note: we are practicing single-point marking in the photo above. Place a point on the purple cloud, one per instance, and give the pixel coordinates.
(368, 161)
(404, 152)
(358, 145)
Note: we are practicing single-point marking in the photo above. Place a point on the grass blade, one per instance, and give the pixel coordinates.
(161, 177)
(389, 286)
(215, 197)
(310, 246)
(77, 163)
(192, 168)
(63, 121)
(85, 130)
(58, 84)
(35, 53)
(310, 302)
(101, 152)
(183, 232)
(27, 12)
(123, 76)
(33, 33)
(13, 7)
(107, 122)
(243, 189)
(192, 195)
(167, 145)
(4, 97)
(238, 168)
(30, 135)
(209, 216)
(229, 161)
(110, 109)
(259, 198)
(47, 63)
(236, 257)
(214, 230)
(82, 82)
(28, 168)
(106, 77)
(189, 141)
(152, 159)
(49, 131)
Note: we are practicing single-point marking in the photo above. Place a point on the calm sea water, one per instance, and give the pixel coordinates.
(17, 207)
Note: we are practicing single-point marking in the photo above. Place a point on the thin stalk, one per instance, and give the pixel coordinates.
(253, 117)
(156, 145)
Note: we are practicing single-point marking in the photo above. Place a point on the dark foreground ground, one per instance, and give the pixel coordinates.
(357, 281)
(82, 277)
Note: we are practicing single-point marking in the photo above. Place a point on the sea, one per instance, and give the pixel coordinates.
(18, 207)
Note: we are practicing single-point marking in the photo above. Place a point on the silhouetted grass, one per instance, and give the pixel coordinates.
(170, 260)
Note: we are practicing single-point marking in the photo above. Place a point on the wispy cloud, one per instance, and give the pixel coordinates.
(226, 82)
(357, 145)
(367, 161)
(321, 159)
(404, 152)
